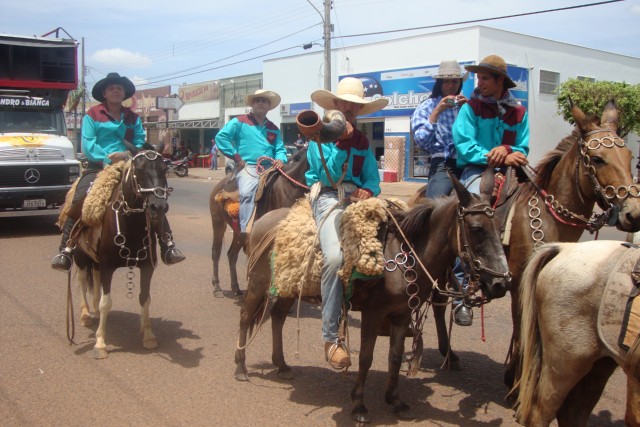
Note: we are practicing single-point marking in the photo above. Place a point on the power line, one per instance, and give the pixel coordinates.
(482, 20)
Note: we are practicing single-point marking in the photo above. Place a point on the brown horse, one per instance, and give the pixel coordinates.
(282, 190)
(438, 232)
(592, 165)
(573, 301)
(126, 238)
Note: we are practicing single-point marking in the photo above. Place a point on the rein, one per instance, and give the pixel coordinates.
(261, 170)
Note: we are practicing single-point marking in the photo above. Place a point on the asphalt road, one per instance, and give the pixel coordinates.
(188, 380)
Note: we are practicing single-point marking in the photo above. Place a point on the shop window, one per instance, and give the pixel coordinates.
(549, 82)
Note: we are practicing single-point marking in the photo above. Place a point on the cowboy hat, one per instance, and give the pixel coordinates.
(274, 98)
(349, 89)
(493, 64)
(450, 70)
(113, 79)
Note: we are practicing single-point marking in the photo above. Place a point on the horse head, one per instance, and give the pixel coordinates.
(146, 184)
(478, 241)
(606, 161)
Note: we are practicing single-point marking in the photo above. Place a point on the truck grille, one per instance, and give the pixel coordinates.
(33, 176)
(41, 153)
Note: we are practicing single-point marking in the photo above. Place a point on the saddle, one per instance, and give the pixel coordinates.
(297, 259)
(619, 313)
(506, 187)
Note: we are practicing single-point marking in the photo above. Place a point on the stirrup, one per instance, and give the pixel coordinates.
(331, 351)
(62, 261)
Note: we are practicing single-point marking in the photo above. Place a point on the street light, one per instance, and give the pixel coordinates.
(326, 23)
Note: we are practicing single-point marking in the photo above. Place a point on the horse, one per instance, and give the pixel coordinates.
(281, 189)
(590, 166)
(438, 232)
(124, 238)
(573, 301)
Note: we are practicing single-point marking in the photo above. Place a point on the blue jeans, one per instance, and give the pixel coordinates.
(247, 186)
(331, 286)
(214, 161)
(439, 182)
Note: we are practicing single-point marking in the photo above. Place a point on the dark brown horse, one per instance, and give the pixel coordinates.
(126, 238)
(591, 166)
(438, 232)
(283, 188)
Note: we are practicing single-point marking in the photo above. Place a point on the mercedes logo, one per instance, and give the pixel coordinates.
(32, 176)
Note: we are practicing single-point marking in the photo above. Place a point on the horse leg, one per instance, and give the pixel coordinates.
(149, 340)
(632, 415)
(250, 318)
(279, 313)
(219, 228)
(451, 360)
(581, 400)
(368, 334)
(84, 279)
(398, 327)
(100, 348)
(232, 254)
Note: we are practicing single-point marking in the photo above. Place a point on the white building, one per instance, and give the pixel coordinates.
(402, 68)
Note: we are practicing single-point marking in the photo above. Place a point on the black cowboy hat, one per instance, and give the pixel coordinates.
(113, 79)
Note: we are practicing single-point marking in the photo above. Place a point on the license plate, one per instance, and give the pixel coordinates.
(34, 203)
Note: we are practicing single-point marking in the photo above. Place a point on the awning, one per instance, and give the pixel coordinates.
(184, 124)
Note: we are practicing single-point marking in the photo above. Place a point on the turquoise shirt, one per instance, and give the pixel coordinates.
(480, 127)
(245, 137)
(362, 168)
(102, 135)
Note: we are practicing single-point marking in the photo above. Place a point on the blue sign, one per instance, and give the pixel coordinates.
(407, 88)
(297, 108)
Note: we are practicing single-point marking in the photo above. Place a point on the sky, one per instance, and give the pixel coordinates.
(158, 43)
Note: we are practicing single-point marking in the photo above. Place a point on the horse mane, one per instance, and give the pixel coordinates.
(412, 222)
(549, 162)
(299, 156)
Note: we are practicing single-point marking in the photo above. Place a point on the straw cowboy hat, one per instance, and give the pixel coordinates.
(450, 70)
(495, 65)
(274, 98)
(349, 89)
(113, 79)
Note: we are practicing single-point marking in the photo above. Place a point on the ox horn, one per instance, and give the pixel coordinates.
(332, 127)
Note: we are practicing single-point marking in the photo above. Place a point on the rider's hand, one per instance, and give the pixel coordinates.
(516, 159)
(497, 156)
(119, 156)
(360, 194)
(277, 164)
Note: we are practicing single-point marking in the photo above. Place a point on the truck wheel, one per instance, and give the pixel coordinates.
(182, 171)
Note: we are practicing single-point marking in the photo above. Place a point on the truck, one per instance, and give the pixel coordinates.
(38, 162)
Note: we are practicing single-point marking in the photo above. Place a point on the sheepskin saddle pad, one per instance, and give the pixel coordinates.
(296, 258)
(230, 202)
(97, 200)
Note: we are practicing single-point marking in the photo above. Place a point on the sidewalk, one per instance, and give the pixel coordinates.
(402, 190)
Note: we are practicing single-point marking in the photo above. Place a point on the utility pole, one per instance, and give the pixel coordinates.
(327, 44)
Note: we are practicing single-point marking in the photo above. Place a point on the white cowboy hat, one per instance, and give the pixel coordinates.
(274, 98)
(450, 70)
(493, 64)
(349, 89)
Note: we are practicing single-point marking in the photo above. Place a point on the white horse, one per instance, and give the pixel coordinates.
(574, 300)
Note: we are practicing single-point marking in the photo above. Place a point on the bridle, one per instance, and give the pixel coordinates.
(604, 195)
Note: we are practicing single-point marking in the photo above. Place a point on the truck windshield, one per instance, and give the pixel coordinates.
(32, 121)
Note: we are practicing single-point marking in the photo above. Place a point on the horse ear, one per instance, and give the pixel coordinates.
(463, 194)
(160, 148)
(582, 121)
(487, 183)
(609, 117)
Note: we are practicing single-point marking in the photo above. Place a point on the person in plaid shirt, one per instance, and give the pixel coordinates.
(431, 125)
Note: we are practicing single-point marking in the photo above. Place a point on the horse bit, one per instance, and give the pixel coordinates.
(120, 206)
(606, 194)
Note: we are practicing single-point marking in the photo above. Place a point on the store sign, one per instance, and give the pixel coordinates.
(208, 91)
(294, 109)
(408, 87)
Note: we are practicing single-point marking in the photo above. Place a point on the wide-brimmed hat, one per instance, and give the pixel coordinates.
(495, 65)
(274, 98)
(113, 79)
(349, 89)
(450, 70)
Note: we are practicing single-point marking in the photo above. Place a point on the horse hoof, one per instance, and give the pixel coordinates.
(150, 344)
(241, 376)
(362, 418)
(86, 321)
(218, 293)
(286, 375)
(100, 353)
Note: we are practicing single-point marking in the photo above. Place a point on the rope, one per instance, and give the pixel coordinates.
(71, 324)
(261, 170)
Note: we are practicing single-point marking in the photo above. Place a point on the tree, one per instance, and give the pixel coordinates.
(591, 97)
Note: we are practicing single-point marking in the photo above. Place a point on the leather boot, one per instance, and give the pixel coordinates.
(63, 261)
(169, 253)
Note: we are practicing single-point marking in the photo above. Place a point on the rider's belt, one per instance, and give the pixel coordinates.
(95, 165)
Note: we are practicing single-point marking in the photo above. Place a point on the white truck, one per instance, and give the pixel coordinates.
(37, 161)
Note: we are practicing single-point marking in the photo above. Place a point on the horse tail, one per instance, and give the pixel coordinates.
(531, 348)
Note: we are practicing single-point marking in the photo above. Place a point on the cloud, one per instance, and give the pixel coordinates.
(137, 80)
(635, 9)
(121, 58)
